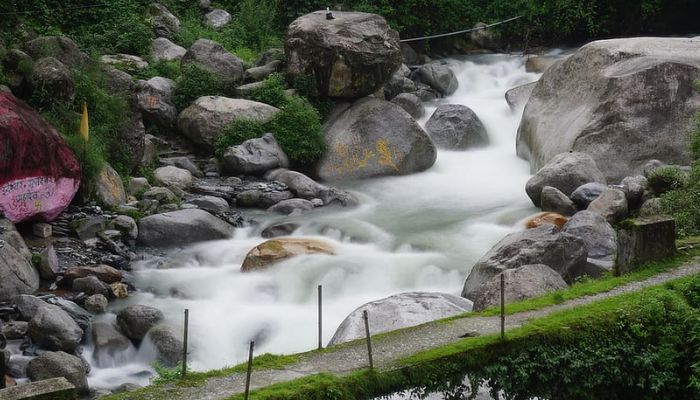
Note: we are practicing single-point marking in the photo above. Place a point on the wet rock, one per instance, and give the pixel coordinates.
(52, 328)
(173, 177)
(135, 321)
(562, 252)
(397, 84)
(262, 199)
(517, 97)
(600, 239)
(555, 201)
(119, 290)
(292, 206)
(411, 103)
(566, 172)
(96, 304)
(36, 146)
(213, 58)
(539, 64)
(390, 140)
(586, 193)
(214, 205)
(168, 344)
(162, 49)
(165, 24)
(521, 283)
(109, 188)
(255, 156)
(156, 230)
(90, 285)
(399, 311)
(355, 52)
(277, 250)
(17, 275)
(278, 230)
(104, 273)
(208, 116)
(79, 315)
(53, 80)
(217, 18)
(456, 127)
(611, 204)
(14, 330)
(59, 364)
(546, 218)
(109, 343)
(439, 77)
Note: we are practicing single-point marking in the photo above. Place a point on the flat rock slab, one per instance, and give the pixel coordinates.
(49, 389)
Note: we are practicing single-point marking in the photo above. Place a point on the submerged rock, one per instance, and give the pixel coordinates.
(456, 127)
(135, 321)
(276, 250)
(59, 364)
(399, 311)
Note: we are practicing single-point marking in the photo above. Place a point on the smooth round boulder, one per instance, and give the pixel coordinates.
(521, 283)
(440, 77)
(60, 47)
(563, 252)
(399, 311)
(154, 100)
(456, 127)
(590, 103)
(555, 201)
(90, 285)
(59, 365)
(255, 156)
(14, 330)
(204, 120)
(517, 97)
(157, 230)
(165, 24)
(411, 103)
(212, 57)
(292, 206)
(17, 275)
(586, 193)
(611, 204)
(126, 225)
(212, 204)
(109, 343)
(51, 328)
(135, 321)
(51, 79)
(600, 239)
(217, 18)
(566, 172)
(109, 187)
(170, 176)
(350, 56)
(96, 304)
(162, 49)
(372, 138)
(168, 344)
(276, 250)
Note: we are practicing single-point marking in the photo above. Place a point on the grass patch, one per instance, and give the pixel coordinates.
(194, 82)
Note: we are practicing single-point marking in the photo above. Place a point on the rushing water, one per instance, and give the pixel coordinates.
(417, 232)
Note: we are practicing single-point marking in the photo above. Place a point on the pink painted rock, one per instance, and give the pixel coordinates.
(39, 174)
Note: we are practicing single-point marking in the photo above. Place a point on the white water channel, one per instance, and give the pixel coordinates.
(421, 232)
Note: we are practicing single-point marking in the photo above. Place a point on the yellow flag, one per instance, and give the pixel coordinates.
(84, 126)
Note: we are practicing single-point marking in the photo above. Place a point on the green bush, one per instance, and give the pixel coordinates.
(297, 128)
(665, 179)
(195, 82)
(162, 68)
(272, 91)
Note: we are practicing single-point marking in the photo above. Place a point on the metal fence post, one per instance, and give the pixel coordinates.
(250, 370)
(365, 315)
(503, 307)
(184, 344)
(320, 317)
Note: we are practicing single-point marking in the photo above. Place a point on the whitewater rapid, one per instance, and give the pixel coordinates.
(421, 232)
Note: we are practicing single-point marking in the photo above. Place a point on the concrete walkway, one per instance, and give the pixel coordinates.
(389, 349)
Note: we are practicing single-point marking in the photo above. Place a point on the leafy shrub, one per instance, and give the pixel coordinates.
(162, 68)
(297, 128)
(195, 83)
(665, 179)
(272, 91)
(166, 374)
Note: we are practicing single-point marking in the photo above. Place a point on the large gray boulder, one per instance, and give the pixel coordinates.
(562, 252)
(162, 49)
(59, 364)
(555, 201)
(586, 193)
(566, 172)
(399, 83)
(600, 239)
(399, 311)
(212, 204)
(518, 96)
(456, 127)
(53, 79)
(204, 120)
(173, 177)
(213, 58)
(109, 343)
(217, 18)
(9, 234)
(372, 138)
(17, 275)
(168, 344)
(54, 329)
(520, 283)
(306, 188)
(255, 156)
(109, 187)
(350, 56)
(154, 100)
(592, 102)
(158, 230)
(411, 103)
(135, 321)
(440, 77)
(611, 204)
(165, 24)
(60, 47)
